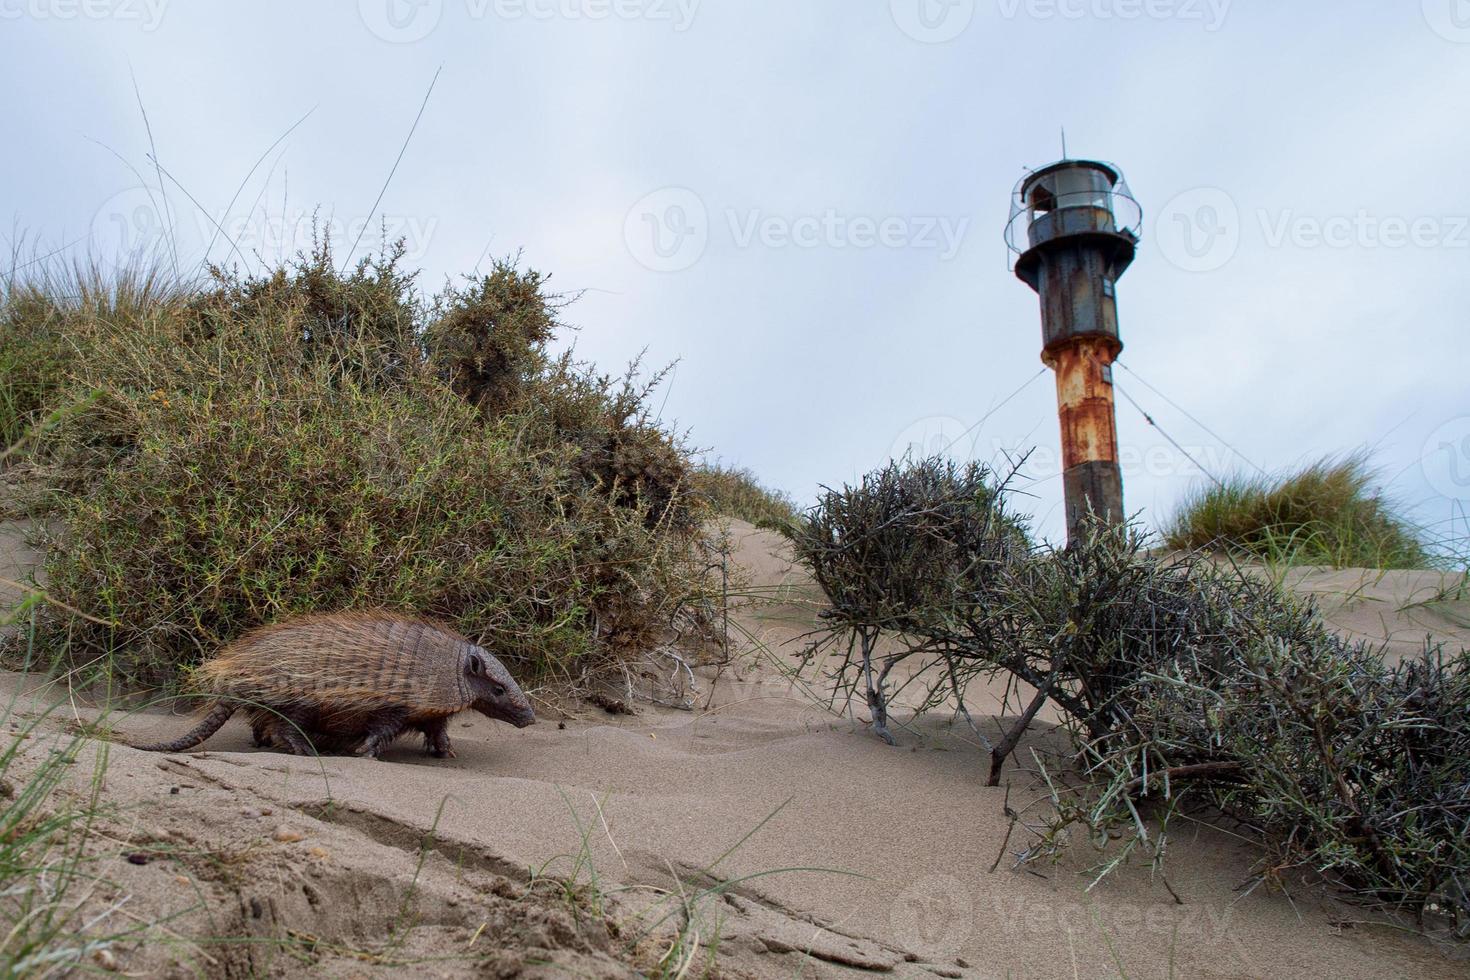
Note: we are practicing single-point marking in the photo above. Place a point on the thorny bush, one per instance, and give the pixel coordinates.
(1186, 686)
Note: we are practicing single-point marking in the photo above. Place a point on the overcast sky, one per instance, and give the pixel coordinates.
(803, 200)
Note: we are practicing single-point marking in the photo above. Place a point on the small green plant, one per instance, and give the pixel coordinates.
(568, 886)
(54, 913)
(678, 926)
(1328, 513)
(45, 870)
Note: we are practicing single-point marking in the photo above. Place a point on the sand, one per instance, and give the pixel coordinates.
(841, 856)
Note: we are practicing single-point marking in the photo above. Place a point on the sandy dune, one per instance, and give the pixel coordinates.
(899, 841)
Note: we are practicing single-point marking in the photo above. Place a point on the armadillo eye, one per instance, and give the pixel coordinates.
(499, 691)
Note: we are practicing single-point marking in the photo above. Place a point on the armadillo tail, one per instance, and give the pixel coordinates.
(212, 723)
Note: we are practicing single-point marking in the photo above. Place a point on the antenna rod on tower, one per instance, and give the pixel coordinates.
(1064, 143)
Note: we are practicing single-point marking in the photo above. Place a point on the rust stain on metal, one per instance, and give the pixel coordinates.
(1085, 399)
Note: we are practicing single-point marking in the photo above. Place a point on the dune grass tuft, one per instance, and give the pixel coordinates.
(44, 316)
(1329, 513)
(46, 873)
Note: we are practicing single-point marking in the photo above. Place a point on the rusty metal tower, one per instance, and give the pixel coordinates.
(1074, 230)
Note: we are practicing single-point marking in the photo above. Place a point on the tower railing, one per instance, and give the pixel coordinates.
(1113, 211)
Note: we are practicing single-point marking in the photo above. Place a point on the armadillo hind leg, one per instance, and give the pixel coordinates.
(381, 729)
(295, 742)
(262, 730)
(273, 729)
(291, 732)
(436, 738)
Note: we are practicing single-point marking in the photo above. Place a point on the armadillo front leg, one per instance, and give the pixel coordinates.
(382, 728)
(436, 738)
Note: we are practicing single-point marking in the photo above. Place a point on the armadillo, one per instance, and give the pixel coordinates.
(351, 682)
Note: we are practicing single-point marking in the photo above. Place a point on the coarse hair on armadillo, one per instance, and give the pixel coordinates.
(345, 661)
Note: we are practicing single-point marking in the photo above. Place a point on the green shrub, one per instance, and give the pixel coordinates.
(488, 340)
(1325, 514)
(366, 320)
(737, 492)
(297, 442)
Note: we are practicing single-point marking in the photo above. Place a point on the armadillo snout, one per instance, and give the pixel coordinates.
(519, 715)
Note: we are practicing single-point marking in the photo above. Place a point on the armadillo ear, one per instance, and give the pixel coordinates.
(477, 666)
